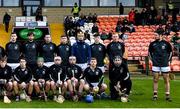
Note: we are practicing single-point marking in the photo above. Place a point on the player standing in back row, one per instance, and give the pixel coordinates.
(160, 52)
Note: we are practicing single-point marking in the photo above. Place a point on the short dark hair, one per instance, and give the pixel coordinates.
(22, 57)
(64, 36)
(93, 58)
(4, 59)
(13, 33)
(30, 33)
(96, 35)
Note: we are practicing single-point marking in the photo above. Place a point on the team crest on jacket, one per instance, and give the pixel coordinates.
(100, 49)
(16, 47)
(33, 46)
(119, 47)
(75, 71)
(97, 72)
(43, 72)
(163, 47)
(121, 71)
(51, 47)
(67, 48)
(5, 72)
(25, 72)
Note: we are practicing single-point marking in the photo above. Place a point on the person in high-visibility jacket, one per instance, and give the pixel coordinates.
(75, 10)
(170, 6)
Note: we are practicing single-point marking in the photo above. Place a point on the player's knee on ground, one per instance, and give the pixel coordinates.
(86, 87)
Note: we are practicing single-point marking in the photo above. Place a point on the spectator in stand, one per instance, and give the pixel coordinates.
(39, 10)
(95, 28)
(121, 9)
(153, 12)
(6, 20)
(94, 18)
(170, 6)
(166, 16)
(175, 39)
(71, 33)
(110, 34)
(160, 30)
(118, 28)
(68, 23)
(131, 16)
(175, 27)
(174, 15)
(80, 22)
(137, 17)
(87, 37)
(119, 22)
(125, 28)
(163, 20)
(144, 16)
(125, 21)
(39, 17)
(168, 28)
(176, 42)
(75, 10)
(90, 18)
(150, 21)
(104, 35)
(131, 28)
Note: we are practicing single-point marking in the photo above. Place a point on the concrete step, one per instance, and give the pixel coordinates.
(135, 73)
(133, 68)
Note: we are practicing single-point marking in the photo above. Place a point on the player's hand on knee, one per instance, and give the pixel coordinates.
(59, 83)
(41, 81)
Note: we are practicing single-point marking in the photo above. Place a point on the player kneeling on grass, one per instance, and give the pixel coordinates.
(5, 79)
(94, 80)
(41, 76)
(74, 81)
(23, 81)
(57, 79)
(120, 83)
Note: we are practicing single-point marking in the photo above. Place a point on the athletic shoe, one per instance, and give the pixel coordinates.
(55, 98)
(104, 95)
(168, 99)
(17, 98)
(98, 96)
(155, 98)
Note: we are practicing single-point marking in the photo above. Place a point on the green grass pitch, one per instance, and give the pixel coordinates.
(141, 97)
